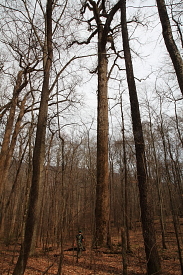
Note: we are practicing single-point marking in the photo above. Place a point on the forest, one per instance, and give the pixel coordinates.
(91, 137)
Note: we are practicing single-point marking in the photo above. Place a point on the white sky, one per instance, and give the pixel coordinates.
(148, 42)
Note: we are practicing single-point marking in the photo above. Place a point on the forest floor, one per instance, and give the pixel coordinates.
(95, 262)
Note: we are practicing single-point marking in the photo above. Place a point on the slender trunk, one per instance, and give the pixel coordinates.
(172, 204)
(124, 254)
(153, 263)
(39, 152)
(7, 158)
(125, 181)
(6, 155)
(170, 43)
(179, 132)
(158, 184)
(176, 176)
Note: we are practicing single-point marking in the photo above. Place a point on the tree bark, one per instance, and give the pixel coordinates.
(125, 200)
(39, 151)
(153, 263)
(102, 210)
(102, 190)
(170, 43)
(7, 144)
(172, 203)
(102, 207)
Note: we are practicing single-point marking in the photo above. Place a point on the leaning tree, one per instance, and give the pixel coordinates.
(153, 262)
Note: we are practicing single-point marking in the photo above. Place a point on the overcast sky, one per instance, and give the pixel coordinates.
(150, 61)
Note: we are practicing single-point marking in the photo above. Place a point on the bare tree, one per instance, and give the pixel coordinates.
(152, 257)
(169, 181)
(103, 19)
(39, 148)
(8, 143)
(170, 43)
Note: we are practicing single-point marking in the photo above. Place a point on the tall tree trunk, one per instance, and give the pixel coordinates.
(179, 132)
(170, 43)
(102, 209)
(6, 154)
(6, 163)
(39, 151)
(172, 203)
(125, 202)
(158, 182)
(102, 190)
(153, 263)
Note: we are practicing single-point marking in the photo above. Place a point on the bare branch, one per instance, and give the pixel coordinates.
(84, 42)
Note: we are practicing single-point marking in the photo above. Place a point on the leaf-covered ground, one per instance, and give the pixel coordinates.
(93, 261)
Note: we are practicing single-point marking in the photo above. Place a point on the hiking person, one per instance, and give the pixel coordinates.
(79, 242)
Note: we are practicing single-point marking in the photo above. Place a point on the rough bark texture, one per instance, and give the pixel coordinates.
(102, 190)
(153, 263)
(102, 210)
(39, 151)
(170, 43)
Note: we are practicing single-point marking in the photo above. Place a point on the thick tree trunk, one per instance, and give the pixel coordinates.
(39, 152)
(102, 208)
(102, 190)
(153, 263)
(170, 43)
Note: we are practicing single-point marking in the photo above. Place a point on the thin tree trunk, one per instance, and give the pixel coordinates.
(179, 132)
(158, 184)
(39, 151)
(176, 176)
(170, 43)
(124, 254)
(172, 204)
(5, 155)
(153, 263)
(7, 158)
(125, 181)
